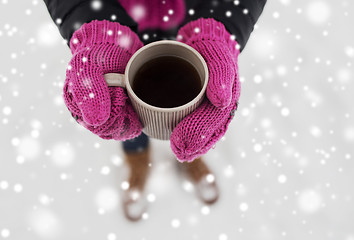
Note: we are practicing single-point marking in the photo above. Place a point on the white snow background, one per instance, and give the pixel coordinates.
(285, 167)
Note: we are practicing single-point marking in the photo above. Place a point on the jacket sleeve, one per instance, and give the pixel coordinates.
(69, 15)
(238, 16)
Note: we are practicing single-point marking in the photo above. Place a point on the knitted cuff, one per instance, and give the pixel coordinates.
(98, 32)
(207, 29)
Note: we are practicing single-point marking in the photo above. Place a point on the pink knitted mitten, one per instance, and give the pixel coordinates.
(101, 47)
(161, 14)
(199, 131)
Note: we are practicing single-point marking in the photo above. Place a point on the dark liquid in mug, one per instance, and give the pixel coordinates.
(166, 82)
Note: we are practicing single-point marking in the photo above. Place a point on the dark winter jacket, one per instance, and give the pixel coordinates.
(69, 15)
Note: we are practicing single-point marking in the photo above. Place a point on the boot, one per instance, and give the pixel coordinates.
(134, 200)
(202, 178)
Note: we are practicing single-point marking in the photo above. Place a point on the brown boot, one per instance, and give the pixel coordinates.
(201, 176)
(134, 201)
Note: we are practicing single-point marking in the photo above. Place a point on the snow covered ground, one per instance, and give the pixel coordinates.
(285, 167)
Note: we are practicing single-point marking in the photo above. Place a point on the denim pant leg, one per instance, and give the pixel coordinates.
(137, 144)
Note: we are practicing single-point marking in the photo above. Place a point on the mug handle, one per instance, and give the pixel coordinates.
(115, 79)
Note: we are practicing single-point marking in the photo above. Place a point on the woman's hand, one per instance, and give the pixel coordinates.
(101, 47)
(200, 130)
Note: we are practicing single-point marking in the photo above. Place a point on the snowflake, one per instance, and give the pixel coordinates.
(165, 18)
(63, 154)
(18, 188)
(125, 41)
(138, 12)
(6, 110)
(243, 207)
(58, 21)
(125, 185)
(222, 236)
(105, 170)
(96, 5)
(106, 199)
(111, 236)
(5, 233)
(282, 178)
(309, 201)
(318, 12)
(175, 223)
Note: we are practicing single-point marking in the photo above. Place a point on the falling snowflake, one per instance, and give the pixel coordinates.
(318, 12)
(106, 199)
(138, 12)
(124, 41)
(96, 5)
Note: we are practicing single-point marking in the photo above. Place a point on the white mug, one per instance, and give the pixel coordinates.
(159, 122)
